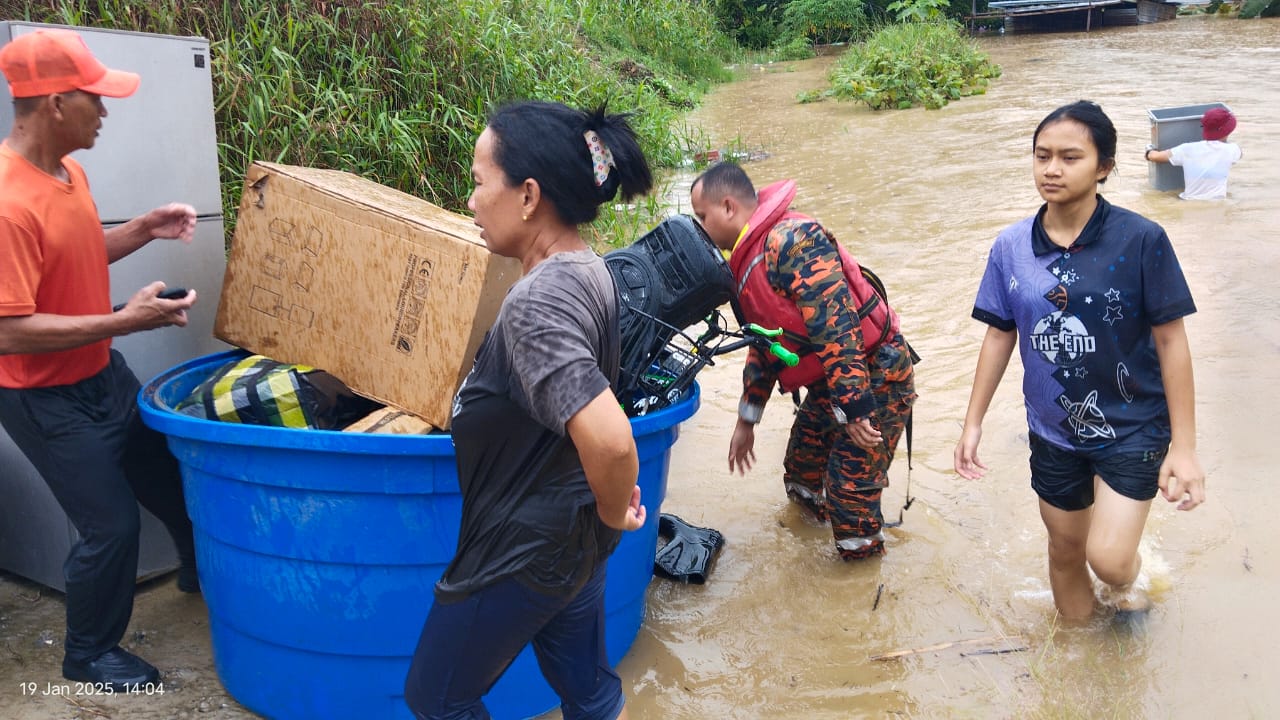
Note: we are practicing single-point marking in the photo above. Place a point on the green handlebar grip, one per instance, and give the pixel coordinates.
(787, 357)
(763, 332)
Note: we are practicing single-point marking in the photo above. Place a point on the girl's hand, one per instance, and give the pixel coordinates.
(967, 464)
(1182, 479)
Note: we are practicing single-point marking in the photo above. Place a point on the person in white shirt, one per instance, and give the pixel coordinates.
(1205, 163)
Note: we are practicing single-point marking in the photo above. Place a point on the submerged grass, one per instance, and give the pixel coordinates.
(397, 90)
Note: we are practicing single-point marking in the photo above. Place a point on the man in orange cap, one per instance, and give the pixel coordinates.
(66, 398)
(1205, 163)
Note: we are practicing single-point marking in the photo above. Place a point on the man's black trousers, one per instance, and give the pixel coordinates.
(88, 442)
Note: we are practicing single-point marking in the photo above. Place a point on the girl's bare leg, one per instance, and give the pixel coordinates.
(1068, 572)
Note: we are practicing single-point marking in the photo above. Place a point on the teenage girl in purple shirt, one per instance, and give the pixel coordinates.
(1094, 298)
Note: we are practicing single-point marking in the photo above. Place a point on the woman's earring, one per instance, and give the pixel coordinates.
(525, 218)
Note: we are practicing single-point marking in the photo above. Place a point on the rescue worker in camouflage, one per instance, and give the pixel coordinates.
(856, 370)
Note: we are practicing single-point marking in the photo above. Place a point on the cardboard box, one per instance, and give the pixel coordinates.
(392, 421)
(386, 291)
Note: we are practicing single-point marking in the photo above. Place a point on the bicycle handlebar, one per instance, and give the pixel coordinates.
(776, 348)
(712, 341)
(787, 357)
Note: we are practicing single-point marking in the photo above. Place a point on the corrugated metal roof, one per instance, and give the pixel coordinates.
(1014, 7)
(1039, 6)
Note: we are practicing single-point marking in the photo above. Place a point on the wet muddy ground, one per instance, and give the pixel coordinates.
(170, 629)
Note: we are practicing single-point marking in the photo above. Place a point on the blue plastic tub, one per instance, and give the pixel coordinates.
(318, 551)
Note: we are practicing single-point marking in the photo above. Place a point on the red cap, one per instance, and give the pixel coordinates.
(54, 61)
(1217, 123)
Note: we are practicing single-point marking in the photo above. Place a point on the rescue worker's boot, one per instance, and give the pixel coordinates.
(814, 506)
(857, 548)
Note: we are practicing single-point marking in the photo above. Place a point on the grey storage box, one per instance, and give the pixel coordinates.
(1171, 127)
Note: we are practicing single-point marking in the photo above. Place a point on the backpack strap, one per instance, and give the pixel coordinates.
(874, 281)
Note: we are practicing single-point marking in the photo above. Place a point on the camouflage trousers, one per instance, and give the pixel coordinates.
(832, 477)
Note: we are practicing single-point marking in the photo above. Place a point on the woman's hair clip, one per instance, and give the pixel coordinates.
(601, 158)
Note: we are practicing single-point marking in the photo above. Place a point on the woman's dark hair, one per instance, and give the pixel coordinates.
(1089, 114)
(545, 141)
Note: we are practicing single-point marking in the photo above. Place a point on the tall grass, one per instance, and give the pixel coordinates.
(676, 38)
(398, 90)
(914, 63)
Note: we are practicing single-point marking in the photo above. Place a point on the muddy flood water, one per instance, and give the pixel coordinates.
(783, 629)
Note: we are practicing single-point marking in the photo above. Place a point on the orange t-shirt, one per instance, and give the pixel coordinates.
(53, 259)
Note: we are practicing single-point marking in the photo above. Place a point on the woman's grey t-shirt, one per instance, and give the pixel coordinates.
(527, 510)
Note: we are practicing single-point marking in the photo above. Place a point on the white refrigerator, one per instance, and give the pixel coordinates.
(155, 147)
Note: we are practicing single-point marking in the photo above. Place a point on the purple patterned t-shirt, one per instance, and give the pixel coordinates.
(1084, 316)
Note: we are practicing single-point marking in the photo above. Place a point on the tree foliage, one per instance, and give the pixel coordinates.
(825, 21)
(918, 10)
(753, 23)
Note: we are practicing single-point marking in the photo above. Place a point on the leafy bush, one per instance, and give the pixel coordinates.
(804, 97)
(911, 64)
(797, 48)
(1260, 8)
(825, 21)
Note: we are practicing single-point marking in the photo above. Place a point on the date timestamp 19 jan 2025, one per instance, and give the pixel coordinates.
(82, 689)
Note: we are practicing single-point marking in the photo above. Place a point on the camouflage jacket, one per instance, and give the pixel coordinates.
(802, 264)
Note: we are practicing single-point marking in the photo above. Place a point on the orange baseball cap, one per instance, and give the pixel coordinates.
(54, 61)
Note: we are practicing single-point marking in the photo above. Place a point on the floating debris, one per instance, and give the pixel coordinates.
(738, 156)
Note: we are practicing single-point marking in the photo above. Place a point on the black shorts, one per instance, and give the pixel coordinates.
(1064, 478)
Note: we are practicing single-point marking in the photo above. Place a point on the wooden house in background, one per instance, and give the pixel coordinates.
(1076, 15)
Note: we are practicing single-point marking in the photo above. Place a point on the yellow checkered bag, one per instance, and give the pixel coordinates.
(257, 390)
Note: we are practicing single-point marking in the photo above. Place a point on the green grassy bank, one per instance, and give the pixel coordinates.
(398, 90)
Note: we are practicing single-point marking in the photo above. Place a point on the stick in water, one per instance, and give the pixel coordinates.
(939, 646)
(994, 651)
